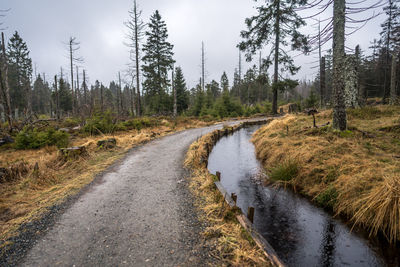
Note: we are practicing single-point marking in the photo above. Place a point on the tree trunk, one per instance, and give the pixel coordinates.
(101, 99)
(132, 93)
(174, 92)
(77, 93)
(72, 75)
(351, 82)
(322, 82)
(84, 90)
(202, 67)
(276, 71)
(57, 98)
(339, 107)
(4, 84)
(393, 92)
(138, 106)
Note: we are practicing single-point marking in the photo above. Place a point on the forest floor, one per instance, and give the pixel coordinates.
(355, 173)
(31, 194)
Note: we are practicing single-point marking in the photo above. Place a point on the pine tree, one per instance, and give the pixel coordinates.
(20, 72)
(224, 82)
(64, 95)
(182, 96)
(157, 61)
(275, 22)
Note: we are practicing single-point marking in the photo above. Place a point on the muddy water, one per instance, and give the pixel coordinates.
(301, 234)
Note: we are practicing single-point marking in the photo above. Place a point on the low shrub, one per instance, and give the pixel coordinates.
(100, 124)
(138, 124)
(34, 139)
(285, 171)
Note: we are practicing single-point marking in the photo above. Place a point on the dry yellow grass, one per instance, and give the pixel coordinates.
(356, 173)
(234, 246)
(28, 197)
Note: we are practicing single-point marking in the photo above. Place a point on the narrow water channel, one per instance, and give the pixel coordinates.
(301, 234)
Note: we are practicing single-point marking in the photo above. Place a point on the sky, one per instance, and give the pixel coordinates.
(46, 25)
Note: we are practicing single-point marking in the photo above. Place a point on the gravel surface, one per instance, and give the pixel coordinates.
(137, 213)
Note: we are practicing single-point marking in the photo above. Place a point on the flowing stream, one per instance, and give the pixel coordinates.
(300, 233)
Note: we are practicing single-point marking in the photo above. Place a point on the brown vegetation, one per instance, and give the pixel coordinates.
(234, 246)
(35, 180)
(355, 172)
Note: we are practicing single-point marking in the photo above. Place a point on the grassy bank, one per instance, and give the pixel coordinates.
(233, 245)
(31, 191)
(355, 173)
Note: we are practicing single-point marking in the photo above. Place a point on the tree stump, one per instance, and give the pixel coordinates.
(293, 108)
(107, 144)
(6, 140)
(72, 153)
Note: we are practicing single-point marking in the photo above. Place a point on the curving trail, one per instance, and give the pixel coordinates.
(138, 213)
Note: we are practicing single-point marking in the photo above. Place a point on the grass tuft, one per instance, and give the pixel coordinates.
(285, 171)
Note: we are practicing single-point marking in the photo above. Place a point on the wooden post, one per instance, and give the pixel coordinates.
(234, 198)
(218, 174)
(250, 214)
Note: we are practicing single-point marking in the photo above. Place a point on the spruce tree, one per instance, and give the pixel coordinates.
(182, 96)
(224, 82)
(64, 95)
(275, 22)
(157, 61)
(20, 72)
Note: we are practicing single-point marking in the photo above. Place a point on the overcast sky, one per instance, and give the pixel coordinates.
(46, 26)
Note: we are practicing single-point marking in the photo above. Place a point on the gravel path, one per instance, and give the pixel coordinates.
(138, 213)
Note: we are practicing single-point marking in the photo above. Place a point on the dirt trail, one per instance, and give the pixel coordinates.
(138, 213)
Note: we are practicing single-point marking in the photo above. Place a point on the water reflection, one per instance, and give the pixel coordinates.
(301, 234)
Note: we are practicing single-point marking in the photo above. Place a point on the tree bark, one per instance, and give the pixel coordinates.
(174, 92)
(339, 107)
(138, 106)
(84, 89)
(322, 82)
(276, 70)
(393, 92)
(4, 84)
(72, 74)
(57, 98)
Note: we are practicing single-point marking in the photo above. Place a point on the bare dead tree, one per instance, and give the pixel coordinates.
(136, 27)
(119, 95)
(73, 46)
(57, 98)
(203, 67)
(5, 88)
(174, 93)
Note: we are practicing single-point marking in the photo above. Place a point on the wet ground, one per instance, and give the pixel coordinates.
(138, 213)
(301, 234)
